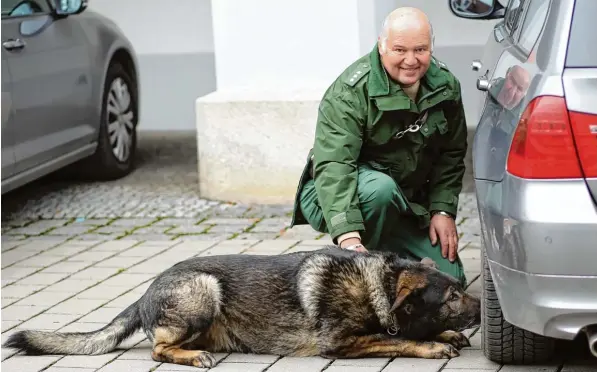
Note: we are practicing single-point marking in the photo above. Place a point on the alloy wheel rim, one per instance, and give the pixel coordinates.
(120, 118)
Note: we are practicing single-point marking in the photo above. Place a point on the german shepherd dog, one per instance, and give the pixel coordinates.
(330, 302)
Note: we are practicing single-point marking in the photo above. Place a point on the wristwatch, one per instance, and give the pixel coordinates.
(443, 213)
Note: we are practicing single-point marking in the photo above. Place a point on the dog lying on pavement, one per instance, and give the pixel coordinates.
(330, 302)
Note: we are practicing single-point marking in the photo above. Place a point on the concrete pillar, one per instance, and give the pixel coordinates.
(274, 59)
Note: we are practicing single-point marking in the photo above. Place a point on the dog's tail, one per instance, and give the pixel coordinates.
(97, 342)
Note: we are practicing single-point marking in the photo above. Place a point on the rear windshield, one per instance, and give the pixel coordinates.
(582, 50)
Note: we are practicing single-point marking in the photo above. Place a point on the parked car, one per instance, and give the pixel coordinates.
(70, 92)
(535, 171)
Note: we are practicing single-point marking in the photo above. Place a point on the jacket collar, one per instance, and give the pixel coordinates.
(381, 85)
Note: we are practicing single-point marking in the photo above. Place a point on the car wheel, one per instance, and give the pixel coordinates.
(501, 341)
(117, 142)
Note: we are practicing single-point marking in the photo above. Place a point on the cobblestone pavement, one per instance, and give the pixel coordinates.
(75, 254)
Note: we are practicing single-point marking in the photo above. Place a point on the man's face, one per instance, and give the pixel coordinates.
(514, 88)
(407, 54)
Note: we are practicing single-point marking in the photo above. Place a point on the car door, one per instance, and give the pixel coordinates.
(8, 156)
(506, 84)
(51, 82)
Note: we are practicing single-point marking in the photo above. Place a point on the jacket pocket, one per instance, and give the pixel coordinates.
(436, 124)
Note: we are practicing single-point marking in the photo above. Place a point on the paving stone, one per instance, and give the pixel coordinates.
(71, 248)
(40, 261)
(378, 363)
(16, 272)
(51, 322)
(529, 368)
(204, 237)
(299, 364)
(129, 365)
(256, 236)
(44, 298)
(22, 313)
(19, 291)
(90, 256)
(119, 262)
(187, 230)
(150, 237)
(251, 358)
(67, 369)
(103, 315)
(469, 358)
(71, 230)
(115, 246)
(240, 367)
(101, 292)
(414, 365)
(76, 306)
(67, 267)
(28, 363)
(271, 247)
(71, 285)
(352, 369)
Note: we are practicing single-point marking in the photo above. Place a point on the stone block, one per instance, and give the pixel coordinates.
(252, 144)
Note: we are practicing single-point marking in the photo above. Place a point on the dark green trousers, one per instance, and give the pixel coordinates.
(388, 225)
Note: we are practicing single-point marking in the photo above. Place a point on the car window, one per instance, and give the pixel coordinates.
(534, 19)
(583, 35)
(20, 8)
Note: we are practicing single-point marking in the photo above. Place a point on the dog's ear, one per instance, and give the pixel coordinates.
(406, 283)
(429, 262)
(400, 297)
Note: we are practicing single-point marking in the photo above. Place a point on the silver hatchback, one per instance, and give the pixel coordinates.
(535, 171)
(70, 92)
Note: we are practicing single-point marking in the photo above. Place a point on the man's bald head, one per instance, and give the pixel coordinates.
(405, 19)
(405, 45)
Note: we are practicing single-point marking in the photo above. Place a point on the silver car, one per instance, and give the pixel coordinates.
(70, 92)
(535, 171)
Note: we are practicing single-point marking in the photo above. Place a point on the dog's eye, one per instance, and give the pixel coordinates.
(453, 297)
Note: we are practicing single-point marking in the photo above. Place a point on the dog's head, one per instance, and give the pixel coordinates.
(428, 302)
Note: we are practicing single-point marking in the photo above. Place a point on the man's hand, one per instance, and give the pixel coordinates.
(352, 241)
(444, 227)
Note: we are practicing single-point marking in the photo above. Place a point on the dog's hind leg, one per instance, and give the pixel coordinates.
(186, 311)
(382, 346)
(167, 348)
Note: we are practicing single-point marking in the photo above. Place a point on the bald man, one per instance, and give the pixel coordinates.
(386, 168)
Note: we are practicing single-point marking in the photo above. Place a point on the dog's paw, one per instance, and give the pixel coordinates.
(456, 339)
(204, 359)
(438, 350)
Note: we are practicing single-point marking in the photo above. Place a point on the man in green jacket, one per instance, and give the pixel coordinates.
(386, 168)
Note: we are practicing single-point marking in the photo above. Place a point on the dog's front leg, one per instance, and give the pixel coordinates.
(456, 339)
(381, 346)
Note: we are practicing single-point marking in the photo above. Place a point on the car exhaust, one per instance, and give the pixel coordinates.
(591, 332)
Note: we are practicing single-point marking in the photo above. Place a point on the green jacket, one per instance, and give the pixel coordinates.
(358, 116)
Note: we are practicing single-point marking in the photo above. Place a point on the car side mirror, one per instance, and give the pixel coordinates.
(477, 9)
(69, 7)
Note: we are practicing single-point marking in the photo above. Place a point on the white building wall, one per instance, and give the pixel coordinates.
(175, 47)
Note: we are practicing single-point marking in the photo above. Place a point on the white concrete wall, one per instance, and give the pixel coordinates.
(157, 27)
(175, 46)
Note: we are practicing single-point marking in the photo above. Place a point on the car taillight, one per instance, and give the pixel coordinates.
(584, 128)
(543, 144)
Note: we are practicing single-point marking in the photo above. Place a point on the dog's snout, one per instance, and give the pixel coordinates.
(473, 306)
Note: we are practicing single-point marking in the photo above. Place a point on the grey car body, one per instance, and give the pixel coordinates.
(70, 92)
(537, 204)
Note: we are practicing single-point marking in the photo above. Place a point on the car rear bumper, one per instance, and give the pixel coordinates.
(540, 238)
(556, 306)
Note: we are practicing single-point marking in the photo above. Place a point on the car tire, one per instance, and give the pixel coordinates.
(110, 162)
(501, 341)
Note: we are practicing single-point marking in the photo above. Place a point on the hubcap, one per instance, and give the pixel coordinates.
(120, 119)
